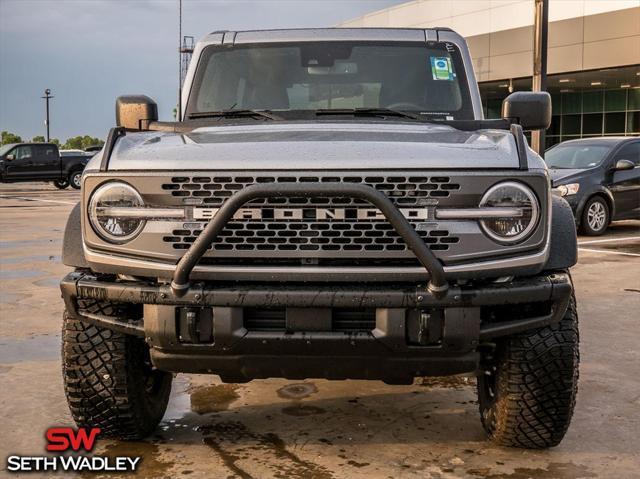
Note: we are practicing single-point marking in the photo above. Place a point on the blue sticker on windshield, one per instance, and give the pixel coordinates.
(441, 68)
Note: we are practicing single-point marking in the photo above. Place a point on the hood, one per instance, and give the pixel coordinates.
(300, 146)
(561, 176)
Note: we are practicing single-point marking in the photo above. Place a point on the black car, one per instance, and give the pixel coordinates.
(599, 177)
(42, 162)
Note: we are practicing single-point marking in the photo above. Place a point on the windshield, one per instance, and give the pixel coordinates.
(577, 156)
(426, 79)
(5, 148)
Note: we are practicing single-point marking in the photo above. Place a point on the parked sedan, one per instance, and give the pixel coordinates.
(599, 177)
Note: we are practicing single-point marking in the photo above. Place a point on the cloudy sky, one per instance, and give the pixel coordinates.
(90, 51)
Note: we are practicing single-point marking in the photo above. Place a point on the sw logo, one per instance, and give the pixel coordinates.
(67, 439)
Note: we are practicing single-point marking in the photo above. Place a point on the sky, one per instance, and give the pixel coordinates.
(88, 52)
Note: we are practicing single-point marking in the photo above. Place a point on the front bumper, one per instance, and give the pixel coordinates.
(413, 332)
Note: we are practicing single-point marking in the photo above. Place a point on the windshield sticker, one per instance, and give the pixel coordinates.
(441, 68)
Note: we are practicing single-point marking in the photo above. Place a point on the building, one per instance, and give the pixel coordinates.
(593, 56)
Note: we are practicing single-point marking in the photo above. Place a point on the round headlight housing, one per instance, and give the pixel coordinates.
(511, 229)
(107, 212)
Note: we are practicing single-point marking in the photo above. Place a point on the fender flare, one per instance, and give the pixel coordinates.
(563, 252)
(597, 190)
(72, 249)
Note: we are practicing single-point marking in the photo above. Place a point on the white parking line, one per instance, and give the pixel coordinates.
(610, 240)
(36, 199)
(608, 252)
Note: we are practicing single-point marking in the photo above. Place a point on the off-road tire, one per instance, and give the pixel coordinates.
(589, 226)
(61, 184)
(108, 378)
(74, 179)
(528, 393)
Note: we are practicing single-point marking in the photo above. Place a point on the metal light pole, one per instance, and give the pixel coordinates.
(541, 29)
(47, 96)
(179, 116)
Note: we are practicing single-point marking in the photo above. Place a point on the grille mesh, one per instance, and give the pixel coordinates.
(403, 190)
(309, 234)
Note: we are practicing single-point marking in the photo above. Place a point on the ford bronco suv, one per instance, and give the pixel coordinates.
(330, 204)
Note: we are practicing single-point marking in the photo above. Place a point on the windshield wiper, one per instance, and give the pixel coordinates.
(369, 112)
(234, 114)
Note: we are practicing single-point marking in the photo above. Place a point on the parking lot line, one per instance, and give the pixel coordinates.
(610, 240)
(6, 197)
(591, 250)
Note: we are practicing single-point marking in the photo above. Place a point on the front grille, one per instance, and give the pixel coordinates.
(348, 235)
(405, 191)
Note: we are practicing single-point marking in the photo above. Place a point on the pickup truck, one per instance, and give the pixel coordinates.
(21, 162)
(330, 204)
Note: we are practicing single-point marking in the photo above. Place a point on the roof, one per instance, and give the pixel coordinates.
(324, 34)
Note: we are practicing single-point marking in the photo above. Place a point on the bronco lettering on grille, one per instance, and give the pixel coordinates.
(287, 214)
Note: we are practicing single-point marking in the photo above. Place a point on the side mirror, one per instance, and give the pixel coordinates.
(624, 165)
(10, 157)
(532, 110)
(135, 111)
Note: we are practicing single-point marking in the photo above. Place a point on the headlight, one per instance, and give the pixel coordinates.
(566, 190)
(513, 228)
(104, 207)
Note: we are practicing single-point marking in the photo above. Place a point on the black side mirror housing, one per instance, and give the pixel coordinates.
(532, 110)
(135, 112)
(622, 165)
(9, 157)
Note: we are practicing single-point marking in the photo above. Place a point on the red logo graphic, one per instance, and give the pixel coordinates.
(65, 438)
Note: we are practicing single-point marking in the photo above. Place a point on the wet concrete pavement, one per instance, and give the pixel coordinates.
(316, 428)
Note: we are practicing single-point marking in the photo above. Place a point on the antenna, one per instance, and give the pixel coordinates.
(185, 50)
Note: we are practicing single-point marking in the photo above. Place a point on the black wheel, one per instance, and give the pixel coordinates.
(61, 184)
(595, 216)
(109, 380)
(75, 179)
(528, 392)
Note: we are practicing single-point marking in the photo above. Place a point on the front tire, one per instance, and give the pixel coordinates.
(109, 380)
(595, 216)
(61, 184)
(528, 392)
(75, 179)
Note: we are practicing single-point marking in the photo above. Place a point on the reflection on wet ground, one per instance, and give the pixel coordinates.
(152, 465)
(29, 259)
(297, 391)
(20, 273)
(214, 398)
(35, 348)
(453, 382)
(240, 447)
(555, 470)
(55, 243)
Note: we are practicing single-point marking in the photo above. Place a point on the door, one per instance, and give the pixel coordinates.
(46, 162)
(625, 184)
(21, 165)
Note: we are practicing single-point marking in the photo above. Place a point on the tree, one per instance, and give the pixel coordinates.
(81, 142)
(55, 141)
(38, 139)
(8, 137)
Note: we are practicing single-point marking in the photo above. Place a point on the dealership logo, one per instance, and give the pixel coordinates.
(314, 214)
(65, 438)
(68, 440)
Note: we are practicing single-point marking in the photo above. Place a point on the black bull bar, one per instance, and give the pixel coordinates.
(437, 284)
